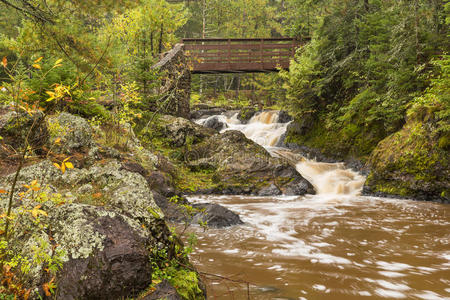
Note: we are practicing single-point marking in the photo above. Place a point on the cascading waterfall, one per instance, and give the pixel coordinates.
(265, 130)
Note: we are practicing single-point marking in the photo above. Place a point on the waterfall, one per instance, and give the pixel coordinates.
(265, 130)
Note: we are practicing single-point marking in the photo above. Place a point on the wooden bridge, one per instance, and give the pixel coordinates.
(239, 55)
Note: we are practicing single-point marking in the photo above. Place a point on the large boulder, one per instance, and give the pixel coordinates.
(180, 131)
(243, 167)
(413, 163)
(215, 122)
(215, 216)
(103, 248)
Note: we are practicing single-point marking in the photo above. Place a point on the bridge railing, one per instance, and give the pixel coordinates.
(239, 55)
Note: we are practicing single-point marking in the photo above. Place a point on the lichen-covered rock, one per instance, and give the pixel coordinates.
(102, 255)
(179, 130)
(410, 163)
(241, 166)
(69, 133)
(105, 248)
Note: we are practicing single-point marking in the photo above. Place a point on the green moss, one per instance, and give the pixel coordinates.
(410, 163)
(187, 284)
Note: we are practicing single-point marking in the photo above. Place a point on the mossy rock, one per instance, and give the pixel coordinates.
(411, 163)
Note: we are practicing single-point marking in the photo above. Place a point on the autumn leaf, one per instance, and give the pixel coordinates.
(69, 165)
(58, 62)
(38, 60)
(36, 211)
(57, 165)
(46, 289)
(58, 140)
(3, 191)
(36, 66)
(97, 195)
(4, 62)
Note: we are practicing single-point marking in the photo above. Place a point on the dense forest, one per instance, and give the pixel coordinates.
(369, 86)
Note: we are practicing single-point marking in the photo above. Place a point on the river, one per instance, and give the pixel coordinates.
(336, 244)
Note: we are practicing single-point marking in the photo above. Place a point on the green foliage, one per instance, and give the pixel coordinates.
(175, 270)
(366, 65)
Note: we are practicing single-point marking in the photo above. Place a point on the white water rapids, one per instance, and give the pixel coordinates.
(332, 245)
(327, 178)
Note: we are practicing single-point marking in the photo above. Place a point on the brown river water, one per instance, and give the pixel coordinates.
(333, 245)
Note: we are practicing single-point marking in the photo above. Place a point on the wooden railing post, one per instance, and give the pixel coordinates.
(229, 53)
(261, 53)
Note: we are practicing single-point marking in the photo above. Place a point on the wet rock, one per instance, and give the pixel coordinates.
(215, 123)
(215, 216)
(163, 291)
(236, 160)
(284, 117)
(206, 112)
(271, 190)
(246, 114)
(73, 132)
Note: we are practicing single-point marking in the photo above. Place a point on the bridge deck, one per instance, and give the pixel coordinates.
(239, 55)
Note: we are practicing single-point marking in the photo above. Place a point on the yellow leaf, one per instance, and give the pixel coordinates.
(4, 62)
(38, 60)
(36, 211)
(36, 66)
(34, 182)
(51, 94)
(57, 63)
(69, 165)
(56, 165)
(58, 140)
(63, 168)
(67, 158)
(97, 195)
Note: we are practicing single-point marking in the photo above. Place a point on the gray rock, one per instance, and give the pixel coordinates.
(178, 130)
(164, 290)
(271, 190)
(206, 112)
(15, 128)
(215, 123)
(284, 117)
(74, 133)
(216, 216)
(236, 159)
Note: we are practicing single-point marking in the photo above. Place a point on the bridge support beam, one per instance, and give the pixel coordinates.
(176, 82)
